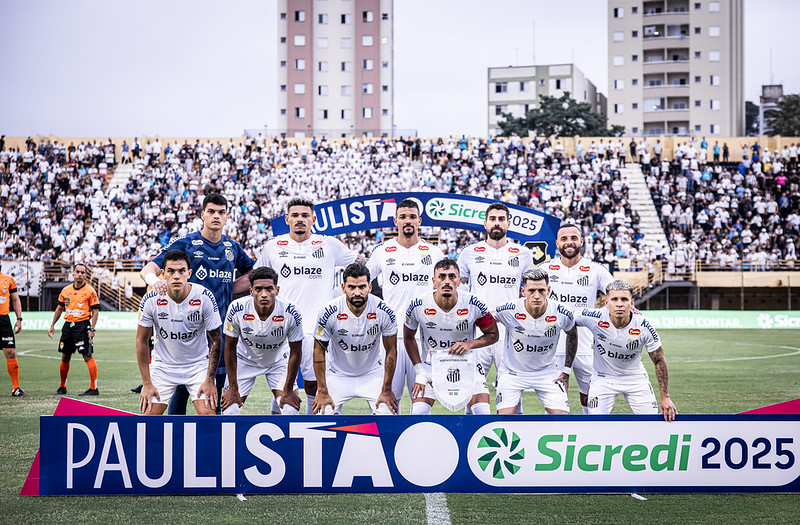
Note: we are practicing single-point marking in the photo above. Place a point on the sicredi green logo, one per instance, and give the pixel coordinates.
(435, 208)
(502, 455)
(456, 210)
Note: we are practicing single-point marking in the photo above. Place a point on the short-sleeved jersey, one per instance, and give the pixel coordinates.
(403, 273)
(7, 287)
(530, 342)
(78, 303)
(261, 341)
(354, 341)
(494, 274)
(179, 329)
(439, 329)
(618, 352)
(577, 288)
(306, 269)
(212, 264)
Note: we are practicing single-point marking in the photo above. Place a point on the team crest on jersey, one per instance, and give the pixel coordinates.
(423, 248)
(319, 253)
(550, 332)
(514, 262)
(427, 260)
(161, 302)
(80, 304)
(554, 267)
(513, 249)
(194, 302)
(430, 311)
(462, 311)
(283, 242)
(462, 326)
(373, 330)
(194, 317)
(341, 317)
(394, 278)
(520, 316)
(316, 243)
(197, 242)
(481, 280)
(371, 316)
(603, 324)
(229, 254)
(277, 332)
(277, 318)
(390, 249)
(583, 281)
(480, 249)
(5, 290)
(249, 317)
(285, 271)
(584, 268)
(635, 332)
(518, 345)
(550, 319)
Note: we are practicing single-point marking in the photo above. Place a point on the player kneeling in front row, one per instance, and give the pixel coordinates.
(186, 325)
(347, 360)
(447, 319)
(258, 326)
(533, 327)
(620, 334)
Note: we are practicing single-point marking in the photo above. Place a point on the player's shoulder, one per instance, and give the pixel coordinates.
(469, 298)
(230, 243)
(596, 313)
(419, 301)
(378, 304)
(471, 249)
(553, 265)
(201, 292)
(279, 240)
(289, 309)
(177, 243)
(330, 308)
(561, 309)
(149, 296)
(509, 306)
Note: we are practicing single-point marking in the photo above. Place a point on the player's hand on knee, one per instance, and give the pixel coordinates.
(564, 380)
(208, 392)
(146, 398)
(322, 402)
(229, 397)
(290, 398)
(388, 399)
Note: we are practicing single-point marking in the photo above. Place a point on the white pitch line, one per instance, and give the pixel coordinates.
(436, 509)
(28, 353)
(796, 351)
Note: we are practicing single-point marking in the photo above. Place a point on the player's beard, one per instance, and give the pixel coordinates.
(575, 251)
(357, 301)
(409, 231)
(497, 234)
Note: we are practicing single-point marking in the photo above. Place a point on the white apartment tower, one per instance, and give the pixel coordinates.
(335, 68)
(676, 67)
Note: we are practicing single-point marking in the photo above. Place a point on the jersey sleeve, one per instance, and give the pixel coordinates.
(211, 318)
(374, 262)
(464, 258)
(411, 314)
(436, 254)
(146, 311)
(295, 331)
(342, 255)
(388, 320)
(504, 313)
(94, 301)
(175, 244)
(323, 331)
(232, 328)
(582, 319)
(61, 298)
(243, 262)
(604, 278)
(12, 285)
(526, 260)
(651, 339)
(568, 317)
(263, 257)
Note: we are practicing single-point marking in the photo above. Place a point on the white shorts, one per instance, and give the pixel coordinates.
(247, 372)
(511, 384)
(404, 374)
(367, 386)
(637, 390)
(166, 378)
(307, 361)
(582, 369)
(478, 387)
(487, 355)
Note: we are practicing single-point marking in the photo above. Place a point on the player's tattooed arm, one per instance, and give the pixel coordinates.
(214, 345)
(569, 358)
(660, 362)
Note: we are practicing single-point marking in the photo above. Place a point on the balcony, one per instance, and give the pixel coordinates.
(660, 115)
(666, 66)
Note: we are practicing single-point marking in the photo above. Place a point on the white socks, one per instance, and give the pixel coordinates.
(233, 410)
(585, 410)
(518, 408)
(481, 409)
(420, 408)
(275, 408)
(309, 404)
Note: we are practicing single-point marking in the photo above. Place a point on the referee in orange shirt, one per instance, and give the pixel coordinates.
(9, 298)
(80, 302)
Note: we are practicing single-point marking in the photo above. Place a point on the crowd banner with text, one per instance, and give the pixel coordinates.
(534, 229)
(477, 454)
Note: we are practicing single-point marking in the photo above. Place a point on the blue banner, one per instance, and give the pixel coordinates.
(346, 454)
(532, 228)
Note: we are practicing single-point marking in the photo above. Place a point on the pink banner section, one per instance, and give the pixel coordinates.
(787, 407)
(66, 407)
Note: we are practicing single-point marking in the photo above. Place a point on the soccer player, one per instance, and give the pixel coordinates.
(620, 335)
(403, 267)
(347, 352)
(80, 302)
(492, 269)
(214, 258)
(186, 326)
(306, 264)
(447, 319)
(576, 283)
(533, 327)
(10, 298)
(256, 329)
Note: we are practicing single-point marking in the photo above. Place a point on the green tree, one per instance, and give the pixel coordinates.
(786, 120)
(561, 117)
(750, 119)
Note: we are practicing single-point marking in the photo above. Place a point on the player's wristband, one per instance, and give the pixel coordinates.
(151, 279)
(91, 329)
(19, 318)
(567, 370)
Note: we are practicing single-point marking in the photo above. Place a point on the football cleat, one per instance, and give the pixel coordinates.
(62, 391)
(91, 392)
(18, 392)
(137, 390)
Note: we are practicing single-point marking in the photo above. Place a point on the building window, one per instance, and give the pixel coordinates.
(715, 104)
(541, 82)
(346, 67)
(635, 105)
(283, 16)
(366, 40)
(634, 130)
(299, 40)
(322, 18)
(697, 103)
(499, 109)
(523, 86)
(283, 63)
(713, 7)
(300, 112)
(283, 88)
(385, 64)
(619, 84)
(698, 30)
(323, 90)
(526, 108)
(299, 64)
(713, 56)
(384, 16)
(619, 108)
(345, 43)
(367, 64)
(323, 114)
(283, 111)
(366, 112)
(698, 54)
(385, 88)
(715, 80)
(501, 87)
(619, 12)
(713, 31)
(558, 83)
(714, 129)
(634, 58)
(367, 16)
(634, 10)
(347, 91)
(634, 34)
(634, 82)
(299, 16)
(619, 36)
(366, 89)
(322, 42)
(322, 66)
(347, 114)
(283, 40)
(697, 5)
(618, 60)
(384, 40)
(698, 127)
(347, 18)
(697, 79)
(384, 112)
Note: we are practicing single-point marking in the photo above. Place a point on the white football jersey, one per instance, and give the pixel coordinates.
(403, 273)
(577, 288)
(494, 274)
(306, 269)
(439, 329)
(354, 341)
(618, 352)
(179, 329)
(261, 343)
(530, 343)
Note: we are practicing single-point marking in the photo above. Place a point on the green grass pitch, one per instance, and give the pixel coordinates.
(713, 371)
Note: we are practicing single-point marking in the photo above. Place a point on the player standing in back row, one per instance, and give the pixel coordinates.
(576, 282)
(404, 267)
(305, 263)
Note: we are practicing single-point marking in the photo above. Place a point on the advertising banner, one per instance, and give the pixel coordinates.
(535, 229)
(27, 275)
(105, 320)
(723, 319)
(347, 454)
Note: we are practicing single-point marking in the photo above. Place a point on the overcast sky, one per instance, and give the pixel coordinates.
(207, 68)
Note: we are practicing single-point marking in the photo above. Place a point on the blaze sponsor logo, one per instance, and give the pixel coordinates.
(462, 311)
(634, 332)
(550, 319)
(520, 316)
(554, 267)
(316, 243)
(513, 250)
(277, 318)
(430, 311)
(583, 268)
(390, 249)
(480, 249)
(371, 316)
(423, 248)
(603, 324)
(194, 302)
(162, 302)
(249, 317)
(341, 317)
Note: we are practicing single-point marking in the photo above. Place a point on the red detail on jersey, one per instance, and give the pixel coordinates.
(341, 317)
(485, 322)
(315, 243)
(277, 318)
(513, 250)
(462, 311)
(371, 316)
(554, 267)
(603, 324)
(430, 311)
(162, 302)
(634, 331)
(423, 248)
(391, 248)
(480, 249)
(249, 317)
(194, 302)
(584, 268)
(550, 319)
(520, 316)
(283, 243)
